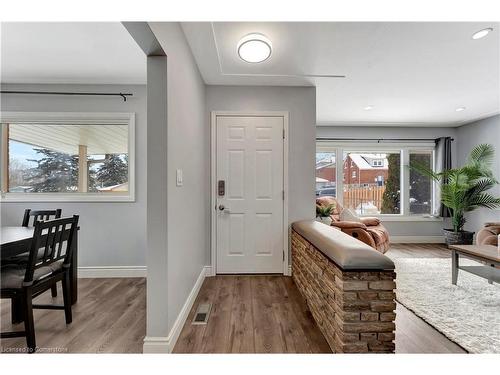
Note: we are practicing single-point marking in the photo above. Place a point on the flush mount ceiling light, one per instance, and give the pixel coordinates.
(460, 109)
(254, 48)
(482, 33)
(369, 107)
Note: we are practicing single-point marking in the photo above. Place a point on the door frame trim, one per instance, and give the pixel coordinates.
(213, 176)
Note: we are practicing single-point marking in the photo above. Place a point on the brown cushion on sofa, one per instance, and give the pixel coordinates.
(348, 224)
(380, 237)
(370, 221)
(492, 225)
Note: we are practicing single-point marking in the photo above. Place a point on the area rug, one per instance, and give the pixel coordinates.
(467, 313)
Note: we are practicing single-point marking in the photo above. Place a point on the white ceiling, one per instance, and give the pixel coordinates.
(72, 52)
(412, 73)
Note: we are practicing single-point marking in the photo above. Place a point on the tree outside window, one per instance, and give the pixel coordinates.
(66, 158)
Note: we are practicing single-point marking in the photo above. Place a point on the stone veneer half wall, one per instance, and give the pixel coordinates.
(353, 309)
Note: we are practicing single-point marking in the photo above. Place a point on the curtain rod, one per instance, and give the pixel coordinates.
(379, 139)
(123, 95)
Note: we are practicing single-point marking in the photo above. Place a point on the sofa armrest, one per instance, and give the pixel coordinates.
(370, 221)
(348, 224)
(488, 225)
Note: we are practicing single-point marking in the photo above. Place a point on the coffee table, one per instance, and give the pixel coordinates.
(482, 253)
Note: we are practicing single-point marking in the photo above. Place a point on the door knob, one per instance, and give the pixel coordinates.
(223, 209)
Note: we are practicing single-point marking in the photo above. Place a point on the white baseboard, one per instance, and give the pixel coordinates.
(112, 271)
(210, 271)
(156, 345)
(417, 239)
(166, 344)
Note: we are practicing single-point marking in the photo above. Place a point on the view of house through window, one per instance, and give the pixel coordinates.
(54, 158)
(372, 180)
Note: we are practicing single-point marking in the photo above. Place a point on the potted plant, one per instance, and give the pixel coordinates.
(465, 189)
(323, 213)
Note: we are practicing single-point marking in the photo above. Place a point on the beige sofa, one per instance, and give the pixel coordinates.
(489, 234)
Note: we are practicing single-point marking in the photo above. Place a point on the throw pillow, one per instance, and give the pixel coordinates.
(348, 215)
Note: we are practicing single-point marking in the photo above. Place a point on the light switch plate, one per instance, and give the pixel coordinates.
(178, 177)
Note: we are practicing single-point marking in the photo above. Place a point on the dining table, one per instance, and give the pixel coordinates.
(15, 240)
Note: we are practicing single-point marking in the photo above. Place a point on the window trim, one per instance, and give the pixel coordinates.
(77, 118)
(404, 148)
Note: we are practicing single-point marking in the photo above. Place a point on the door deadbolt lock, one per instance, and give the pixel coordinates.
(221, 188)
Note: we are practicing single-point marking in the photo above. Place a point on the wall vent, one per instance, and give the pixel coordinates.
(202, 313)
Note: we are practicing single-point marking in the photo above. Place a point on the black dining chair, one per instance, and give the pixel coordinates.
(37, 215)
(52, 239)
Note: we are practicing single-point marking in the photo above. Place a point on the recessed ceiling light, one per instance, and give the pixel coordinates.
(482, 33)
(254, 48)
(460, 109)
(369, 107)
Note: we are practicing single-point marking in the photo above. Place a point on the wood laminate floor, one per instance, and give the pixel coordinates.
(266, 314)
(109, 317)
(251, 314)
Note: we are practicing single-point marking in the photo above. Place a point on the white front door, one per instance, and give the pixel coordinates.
(249, 170)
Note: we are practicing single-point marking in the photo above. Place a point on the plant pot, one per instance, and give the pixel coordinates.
(458, 238)
(325, 220)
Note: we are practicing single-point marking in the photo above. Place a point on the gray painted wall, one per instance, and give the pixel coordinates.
(300, 102)
(157, 194)
(123, 241)
(188, 149)
(401, 228)
(483, 131)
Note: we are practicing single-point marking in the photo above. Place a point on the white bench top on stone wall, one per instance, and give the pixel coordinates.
(345, 251)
